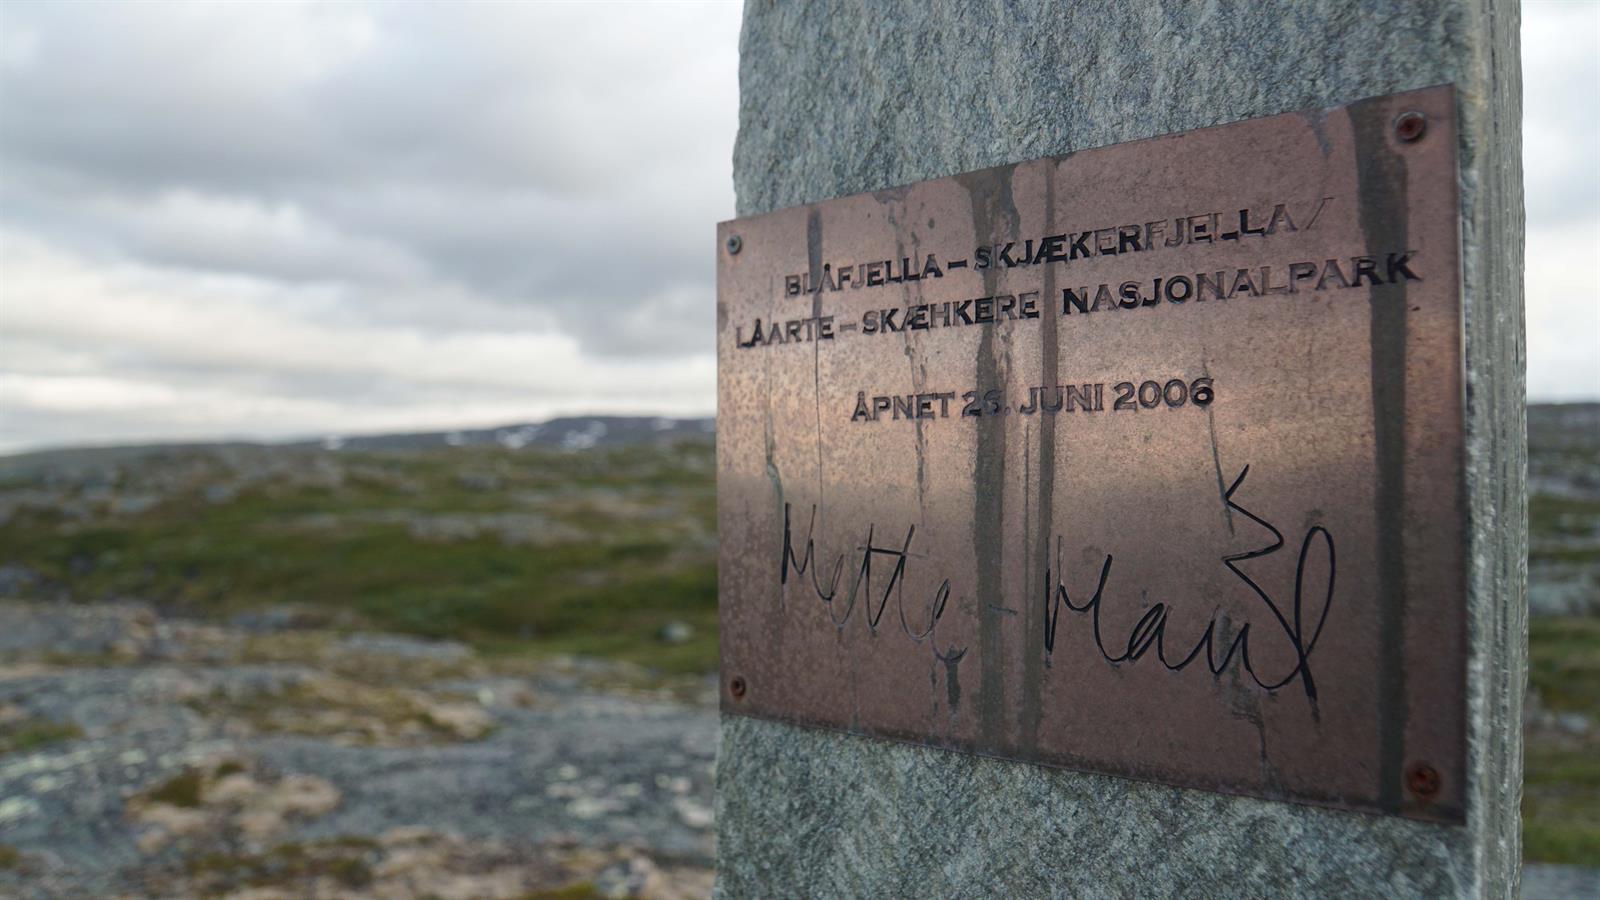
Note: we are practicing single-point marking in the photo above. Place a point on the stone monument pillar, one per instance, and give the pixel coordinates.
(840, 98)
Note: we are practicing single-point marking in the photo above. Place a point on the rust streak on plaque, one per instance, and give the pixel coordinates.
(1383, 220)
(1033, 625)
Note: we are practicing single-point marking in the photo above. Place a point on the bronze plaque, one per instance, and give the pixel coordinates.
(1145, 460)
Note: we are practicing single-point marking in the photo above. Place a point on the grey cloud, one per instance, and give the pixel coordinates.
(539, 158)
(399, 204)
(1561, 128)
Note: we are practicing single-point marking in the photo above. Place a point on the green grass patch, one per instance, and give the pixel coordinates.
(441, 544)
(31, 734)
(342, 860)
(1560, 806)
(1562, 766)
(1561, 843)
(1563, 530)
(1561, 777)
(1567, 554)
(1561, 802)
(581, 890)
(1564, 663)
(1562, 516)
(185, 789)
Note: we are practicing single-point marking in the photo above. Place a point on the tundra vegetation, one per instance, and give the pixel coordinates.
(420, 601)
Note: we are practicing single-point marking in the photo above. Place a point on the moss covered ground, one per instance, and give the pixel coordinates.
(534, 552)
(514, 551)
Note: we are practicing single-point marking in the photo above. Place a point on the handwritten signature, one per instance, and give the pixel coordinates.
(1300, 624)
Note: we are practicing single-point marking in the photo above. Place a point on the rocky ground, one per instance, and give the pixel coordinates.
(141, 756)
(217, 677)
(148, 757)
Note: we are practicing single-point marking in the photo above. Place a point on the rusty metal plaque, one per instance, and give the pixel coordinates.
(1145, 460)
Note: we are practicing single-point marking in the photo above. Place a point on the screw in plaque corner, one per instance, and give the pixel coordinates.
(1423, 781)
(1409, 127)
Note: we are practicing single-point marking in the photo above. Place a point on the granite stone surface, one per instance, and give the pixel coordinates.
(841, 97)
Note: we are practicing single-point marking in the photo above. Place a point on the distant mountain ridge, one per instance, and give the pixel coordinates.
(569, 433)
(566, 432)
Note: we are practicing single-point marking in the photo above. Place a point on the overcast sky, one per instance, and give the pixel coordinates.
(230, 220)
